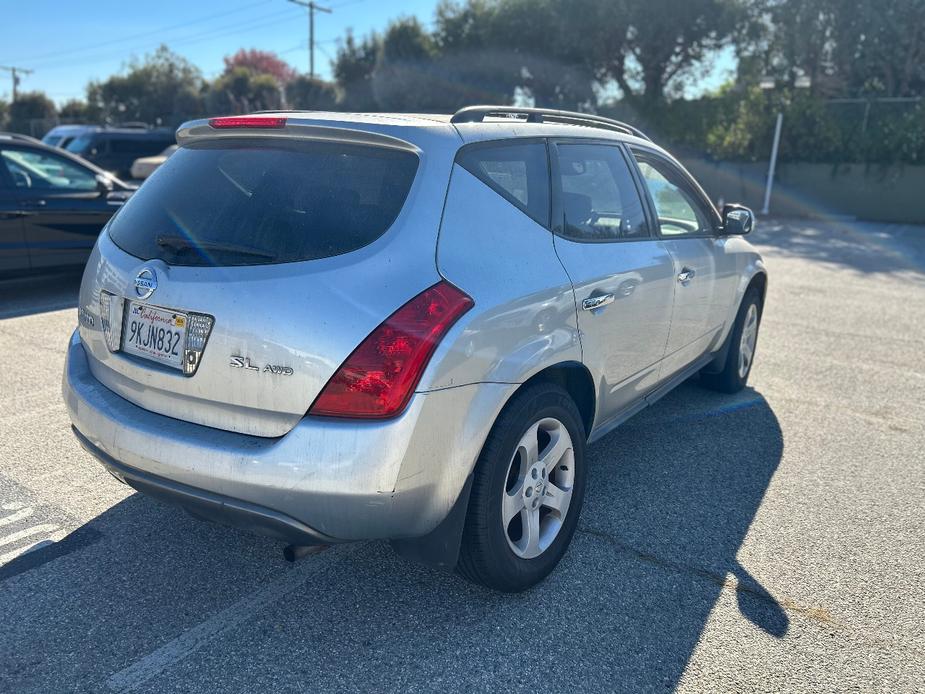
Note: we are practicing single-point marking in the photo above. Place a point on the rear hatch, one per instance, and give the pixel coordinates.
(242, 274)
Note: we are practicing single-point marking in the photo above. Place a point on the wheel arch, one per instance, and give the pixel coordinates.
(575, 379)
(758, 281)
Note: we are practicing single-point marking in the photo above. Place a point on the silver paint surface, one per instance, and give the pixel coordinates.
(244, 434)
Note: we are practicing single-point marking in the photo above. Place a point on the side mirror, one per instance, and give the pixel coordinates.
(103, 184)
(738, 220)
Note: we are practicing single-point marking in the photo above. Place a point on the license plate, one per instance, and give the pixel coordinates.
(154, 333)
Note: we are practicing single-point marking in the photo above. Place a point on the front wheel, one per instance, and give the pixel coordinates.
(527, 491)
(741, 354)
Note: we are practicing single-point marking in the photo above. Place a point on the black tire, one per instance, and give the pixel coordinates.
(729, 380)
(485, 556)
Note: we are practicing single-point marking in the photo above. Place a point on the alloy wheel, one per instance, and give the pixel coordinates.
(748, 341)
(538, 488)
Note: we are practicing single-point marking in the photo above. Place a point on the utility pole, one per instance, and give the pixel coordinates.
(15, 72)
(312, 8)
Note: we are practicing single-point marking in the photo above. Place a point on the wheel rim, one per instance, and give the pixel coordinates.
(538, 488)
(748, 341)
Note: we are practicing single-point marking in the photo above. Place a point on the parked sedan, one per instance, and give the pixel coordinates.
(145, 166)
(52, 205)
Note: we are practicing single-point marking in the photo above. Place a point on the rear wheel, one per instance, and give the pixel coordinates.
(527, 492)
(741, 355)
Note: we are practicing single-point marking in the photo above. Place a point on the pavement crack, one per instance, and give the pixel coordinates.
(723, 580)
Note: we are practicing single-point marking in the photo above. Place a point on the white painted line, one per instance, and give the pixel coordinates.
(16, 553)
(13, 517)
(34, 530)
(190, 641)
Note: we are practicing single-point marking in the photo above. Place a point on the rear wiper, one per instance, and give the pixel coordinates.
(180, 243)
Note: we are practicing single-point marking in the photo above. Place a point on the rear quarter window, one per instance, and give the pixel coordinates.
(516, 170)
(249, 203)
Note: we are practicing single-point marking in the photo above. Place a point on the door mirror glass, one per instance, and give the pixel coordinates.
(738, 220)
(103, 184)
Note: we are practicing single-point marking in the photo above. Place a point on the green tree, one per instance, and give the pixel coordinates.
(74, 110)
(657, 46)
(164, 88)
(403, 73)
(243, 91)
(546, 50)
(4, 114)
(353, 71)
(556, 51)
(879, 48)
(311, 93)
(33, 113)
(845, 49)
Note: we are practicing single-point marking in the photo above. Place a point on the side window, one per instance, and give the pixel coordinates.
(679, 211)
(517, 171)
(599, 199)
(41, 171)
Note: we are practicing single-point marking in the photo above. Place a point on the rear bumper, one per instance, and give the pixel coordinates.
(209, 506)
(326, 480)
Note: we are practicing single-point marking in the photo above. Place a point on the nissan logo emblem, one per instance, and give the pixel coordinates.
(145, 283)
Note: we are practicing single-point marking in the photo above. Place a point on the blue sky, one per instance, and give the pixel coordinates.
(70, 43)
(67, 44)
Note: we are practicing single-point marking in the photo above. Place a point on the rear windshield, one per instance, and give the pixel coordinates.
(251, 203)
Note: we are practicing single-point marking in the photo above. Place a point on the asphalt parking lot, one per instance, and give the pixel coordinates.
(771, 541)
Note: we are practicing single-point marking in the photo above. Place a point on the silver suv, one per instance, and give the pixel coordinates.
(331, 327)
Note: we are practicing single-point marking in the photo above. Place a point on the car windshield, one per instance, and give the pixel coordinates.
(248, 203)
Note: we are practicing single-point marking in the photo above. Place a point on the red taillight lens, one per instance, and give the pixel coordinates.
(377, 380)
(260, 122)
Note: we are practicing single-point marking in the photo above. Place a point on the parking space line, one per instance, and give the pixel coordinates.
(38, 544)
(13, 517)
(34, 530)
(192, 640)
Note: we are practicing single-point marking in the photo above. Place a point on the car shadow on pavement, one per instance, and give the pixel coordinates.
(26, 296)
(153, 600)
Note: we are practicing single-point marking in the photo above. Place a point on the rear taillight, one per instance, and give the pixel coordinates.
(259, 122)
(377, 380)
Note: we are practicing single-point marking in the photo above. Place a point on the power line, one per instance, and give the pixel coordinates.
(15, 72)
(132, 37)
(312, 8)
(207, 35)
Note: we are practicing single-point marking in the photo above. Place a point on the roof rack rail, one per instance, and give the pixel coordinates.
(477, 114)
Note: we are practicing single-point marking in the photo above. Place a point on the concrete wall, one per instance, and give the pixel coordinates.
(875, 193)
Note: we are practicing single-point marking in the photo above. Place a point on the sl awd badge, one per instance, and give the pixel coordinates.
(238, 362)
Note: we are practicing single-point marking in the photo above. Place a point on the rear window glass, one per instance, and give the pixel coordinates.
(250, 203)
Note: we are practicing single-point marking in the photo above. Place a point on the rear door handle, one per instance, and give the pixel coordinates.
(35, 203)
(15, 214)
(686, 275)
(593, 302)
